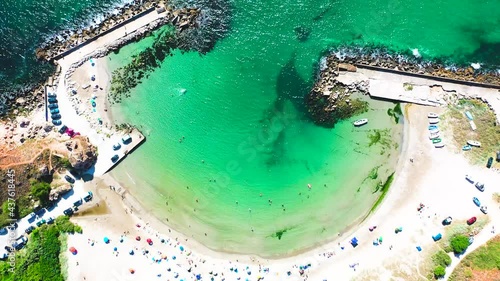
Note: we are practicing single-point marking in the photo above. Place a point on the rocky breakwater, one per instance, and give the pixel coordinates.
(330, 101)
(182, 18)
(410, 64)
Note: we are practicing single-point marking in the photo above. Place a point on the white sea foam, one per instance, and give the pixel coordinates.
(416, 53)
(475, 65)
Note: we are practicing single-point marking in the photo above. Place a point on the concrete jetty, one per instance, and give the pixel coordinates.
(107, 151)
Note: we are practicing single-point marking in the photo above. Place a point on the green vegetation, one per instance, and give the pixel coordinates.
(374, 173)
(408, 86)
(40, 260)
(395, 112)
(487, 132)
(129, 76)
(384, 188)
(439, 272)
(41, 191)
(375, 137)
(459, 243)
(441, 258)
(65, 225)
(382, 137)
(483, 262)
(61, 162)
(278, 234)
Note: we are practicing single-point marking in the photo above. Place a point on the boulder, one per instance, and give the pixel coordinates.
(83, 154)
(55, 193)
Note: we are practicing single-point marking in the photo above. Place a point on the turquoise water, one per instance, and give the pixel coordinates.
(224, 128)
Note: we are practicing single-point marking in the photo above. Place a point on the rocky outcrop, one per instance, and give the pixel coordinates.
(55, 193)
(82, 154)
(330, 100)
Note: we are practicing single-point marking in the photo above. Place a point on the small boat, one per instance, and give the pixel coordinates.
(433, 121)
(360, 122)
(434, 131)
(434, 136)
(439, 145)
(438, 140)
(474, 143)
(432, 115)
(433, 127)
(468, 115)
(466, 147)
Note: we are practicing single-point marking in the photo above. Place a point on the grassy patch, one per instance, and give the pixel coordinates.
(482, 264)
(40, 260)
(487, 132)
(384, 188)
(461, 228)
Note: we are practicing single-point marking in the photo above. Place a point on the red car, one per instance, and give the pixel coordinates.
(471, 220)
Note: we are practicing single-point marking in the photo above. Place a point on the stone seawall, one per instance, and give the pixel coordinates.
(67, 42)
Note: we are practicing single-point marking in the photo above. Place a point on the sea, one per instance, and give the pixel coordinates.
(232, 158)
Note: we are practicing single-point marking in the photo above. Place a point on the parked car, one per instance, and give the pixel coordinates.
(480, 186)
(54, 111)
(484, 209)
(9, 249)
(68, 212)
(12, 226)
(447, 221)
(63, 129)
(78, 203)
(437, 237)
(469, 178)
(20, 242)
(489, 163)
(3, 231)
(53, 105)
(126, 139)
(52, 100)
(50, 220)
(69, 179)
(476, 201)
(88, 197)
(55, 116)
(56, 122)
(40, 222)
(29, 229)
(115, 158)
(116, 146)
(40, 211)
(471, 220)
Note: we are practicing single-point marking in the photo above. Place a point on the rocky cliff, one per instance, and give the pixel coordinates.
(82, 155)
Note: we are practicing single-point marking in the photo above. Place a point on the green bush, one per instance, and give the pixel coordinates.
(41, 191)
(439, 272)
(459, 243)
(65, 226)
(441, 258)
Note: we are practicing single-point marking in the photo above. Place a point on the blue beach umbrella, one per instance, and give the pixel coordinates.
(174, 257)
(106, 240)
(182, 248)
(115, 249)
(131, 252)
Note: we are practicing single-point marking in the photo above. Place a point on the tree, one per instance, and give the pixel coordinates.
(41, 191)
(439, 272)
(459, 244)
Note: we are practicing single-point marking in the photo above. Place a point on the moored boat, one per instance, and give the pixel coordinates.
(433, 121)
(432, 115)
(360, 122)
(433, 127)
(439, 145)
(474, 143)
(434, 131)
(436, 140)
(466, 147)
(434, 136)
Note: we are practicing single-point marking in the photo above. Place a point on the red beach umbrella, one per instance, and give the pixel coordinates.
(73, 250)
(150, 242)
(138, 238)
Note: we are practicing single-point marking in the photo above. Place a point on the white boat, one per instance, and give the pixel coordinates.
(433, 132)
(439, 145)
(433, 121)
(432, 115)
(360, 122)
(434, 136)
(474, 143)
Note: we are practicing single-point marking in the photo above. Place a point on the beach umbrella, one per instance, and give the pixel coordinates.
(164, 256)
(150, 242)
(106, 240)
(174, 257)
(162, 240)
(115, 249)
(121, 240)
(73, 250)
(182, 248)
(138, 238)
(131, 270)
(131, 252)
(198, 277)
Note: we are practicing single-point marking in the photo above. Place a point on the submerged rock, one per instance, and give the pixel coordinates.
(302, 33)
